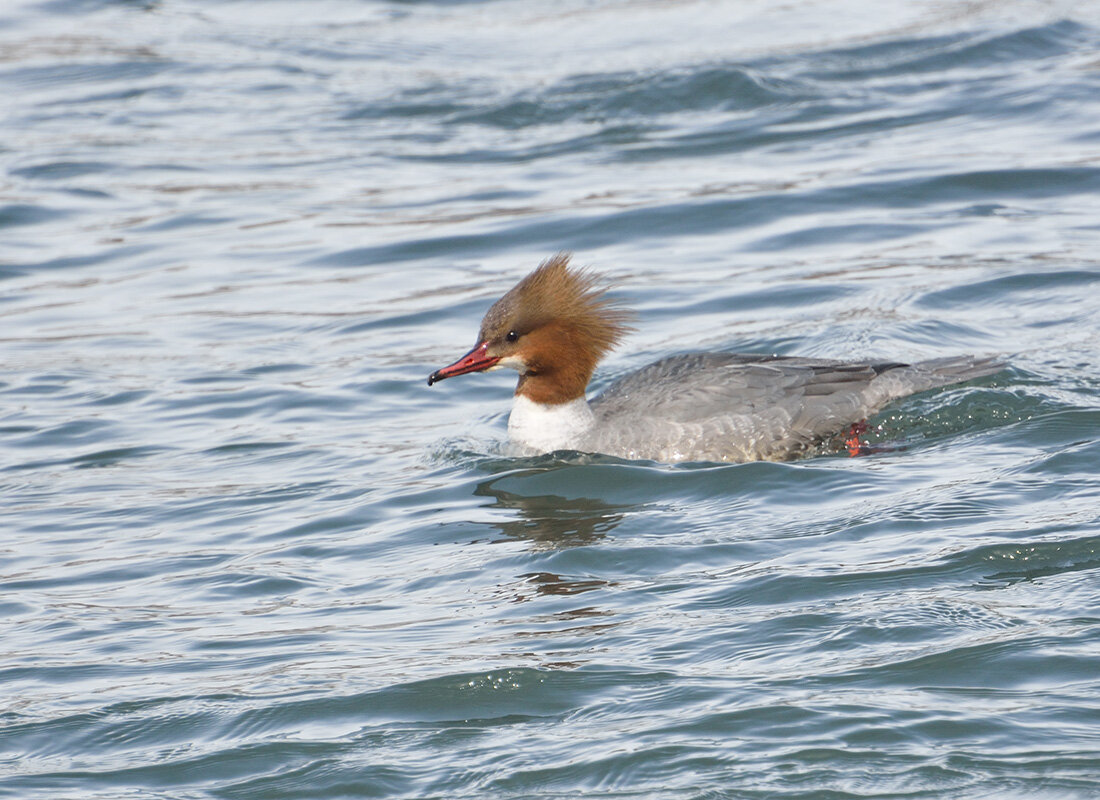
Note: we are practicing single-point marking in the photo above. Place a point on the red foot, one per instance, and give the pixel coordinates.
(852, 442)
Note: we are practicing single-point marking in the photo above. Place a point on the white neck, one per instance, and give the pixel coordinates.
(545, 427)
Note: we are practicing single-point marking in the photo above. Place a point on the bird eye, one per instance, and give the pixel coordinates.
(511, 336)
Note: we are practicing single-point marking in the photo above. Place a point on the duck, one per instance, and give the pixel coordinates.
(557, 324)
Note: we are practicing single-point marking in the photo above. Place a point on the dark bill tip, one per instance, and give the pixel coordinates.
(475, 361)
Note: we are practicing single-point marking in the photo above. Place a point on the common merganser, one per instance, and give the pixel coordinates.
(555, 325)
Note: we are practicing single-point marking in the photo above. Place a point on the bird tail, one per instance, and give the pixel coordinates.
(921, 376)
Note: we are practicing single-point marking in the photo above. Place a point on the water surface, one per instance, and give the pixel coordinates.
(247, 553)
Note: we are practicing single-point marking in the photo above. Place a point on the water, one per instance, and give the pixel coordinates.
(248, 553)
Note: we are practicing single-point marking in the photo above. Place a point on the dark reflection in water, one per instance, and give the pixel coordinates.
(547, 583)
(550, 521)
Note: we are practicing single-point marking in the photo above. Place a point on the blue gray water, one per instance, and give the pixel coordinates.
(246, 552)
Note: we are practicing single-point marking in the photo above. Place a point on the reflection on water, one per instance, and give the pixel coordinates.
(550, 521)
(547, 583)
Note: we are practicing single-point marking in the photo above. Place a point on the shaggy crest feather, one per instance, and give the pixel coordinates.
(570, 298)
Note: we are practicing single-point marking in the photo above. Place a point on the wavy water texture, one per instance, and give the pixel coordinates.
(247, 553)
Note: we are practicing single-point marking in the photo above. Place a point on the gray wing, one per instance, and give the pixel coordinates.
(736, 407)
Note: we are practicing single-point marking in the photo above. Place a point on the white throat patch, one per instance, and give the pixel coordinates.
(545, 427)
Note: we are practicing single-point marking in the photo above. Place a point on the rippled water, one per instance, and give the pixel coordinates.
(248, 553)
